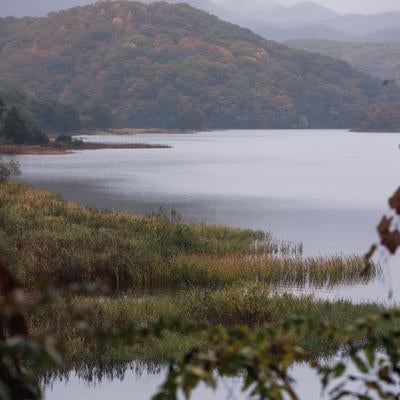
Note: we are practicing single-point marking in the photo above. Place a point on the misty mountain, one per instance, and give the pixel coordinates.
(321, 32)
(305, 20)
(239, 11)
(377, 28)
(381, 60)
(362, 25)
(301, 14)
(384, 36)
(282, 34)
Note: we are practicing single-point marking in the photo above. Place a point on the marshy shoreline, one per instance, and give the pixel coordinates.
(132, 131)
(158, 267)
(52, 149)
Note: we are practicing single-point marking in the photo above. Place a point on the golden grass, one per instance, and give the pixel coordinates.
(41, 234)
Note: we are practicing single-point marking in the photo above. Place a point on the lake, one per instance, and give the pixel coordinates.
(325, 188)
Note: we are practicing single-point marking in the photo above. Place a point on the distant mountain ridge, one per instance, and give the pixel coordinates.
(304, 20)
(357, 28)
(362, 25)
(383, 36)
(302, 13)
(323, 32)
(163, 65)
(378, 59)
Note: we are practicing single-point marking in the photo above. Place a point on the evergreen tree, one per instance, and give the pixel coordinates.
(101, 116)
(2, 114)
(15, 127)
(2, 108)
(55, 116)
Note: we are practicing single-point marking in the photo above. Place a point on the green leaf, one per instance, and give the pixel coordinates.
(359, 363)
(339, 370)
(369, 352)
(342, 395)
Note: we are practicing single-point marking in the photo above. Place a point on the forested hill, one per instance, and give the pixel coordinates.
(163, 65)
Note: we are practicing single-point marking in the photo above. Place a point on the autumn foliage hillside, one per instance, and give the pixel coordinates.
(163, 65)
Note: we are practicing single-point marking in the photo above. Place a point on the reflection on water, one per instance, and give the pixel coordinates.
(141, 383)
(132, 386)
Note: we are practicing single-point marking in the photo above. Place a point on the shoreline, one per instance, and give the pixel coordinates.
(132, 131)
(14, 149)
(374, 131)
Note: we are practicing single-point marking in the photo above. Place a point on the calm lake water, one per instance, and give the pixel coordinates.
(324, 188)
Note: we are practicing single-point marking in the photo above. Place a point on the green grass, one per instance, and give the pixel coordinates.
(158, 266)
(44, 236)
(253, 306)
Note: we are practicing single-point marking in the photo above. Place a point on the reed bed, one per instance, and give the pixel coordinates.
(44, 236)
(317, 272)
(204, 273)
(251, 305)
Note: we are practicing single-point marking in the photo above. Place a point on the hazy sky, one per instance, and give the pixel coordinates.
(40, 7)
(343, 6)
(356, 6)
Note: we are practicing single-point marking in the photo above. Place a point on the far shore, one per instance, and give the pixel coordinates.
(375, 130)
(67, 149)
(132, 131)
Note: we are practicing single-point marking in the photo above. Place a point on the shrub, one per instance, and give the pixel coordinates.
(8, 170)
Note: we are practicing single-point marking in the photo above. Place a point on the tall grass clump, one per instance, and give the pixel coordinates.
(44, 236)
(251, 305)
(318, 272)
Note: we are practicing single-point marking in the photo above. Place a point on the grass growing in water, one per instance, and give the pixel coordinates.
(225, 273)
(44, 235)
(253, 306)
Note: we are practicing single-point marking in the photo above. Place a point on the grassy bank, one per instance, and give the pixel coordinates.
(133, 131)
(42, 235)
(253, 306)
(158, 266)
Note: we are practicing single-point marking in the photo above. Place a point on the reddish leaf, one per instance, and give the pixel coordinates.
(371, 252)
(391, 241)
(384, 226)
(394, 201)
